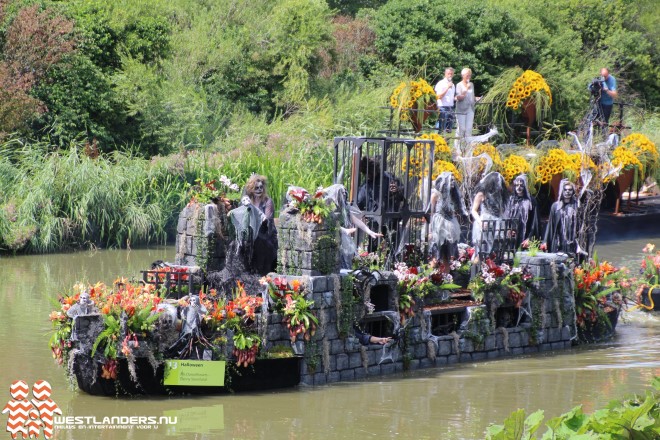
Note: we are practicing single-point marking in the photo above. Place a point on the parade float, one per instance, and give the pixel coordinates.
(383, 253)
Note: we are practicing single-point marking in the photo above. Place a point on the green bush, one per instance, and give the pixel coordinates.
(636, 417)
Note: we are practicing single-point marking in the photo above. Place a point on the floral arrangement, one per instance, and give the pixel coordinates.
(626, 158)
(441, 166)
(418, 165)
(134, 303)
(496, 279)
(239, 316)
(650, 266)
(370, 260)
(533, 246)
(463, 263)
(558, 161)
(642, 147)
(598, 286)
(418, 282)
(513, 166)
(312, 209)
(289, 300)
(412, 95)
(529, 84)
(222, 188)
(491, 151)
(555, 162)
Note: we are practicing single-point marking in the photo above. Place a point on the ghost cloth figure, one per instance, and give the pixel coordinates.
(522, 206)
(349, 219)
(488, 204)
(446, 204)
(561, 232)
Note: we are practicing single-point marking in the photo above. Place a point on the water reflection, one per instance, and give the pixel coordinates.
(456, 402)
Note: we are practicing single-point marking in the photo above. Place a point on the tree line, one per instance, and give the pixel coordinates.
(157, 76)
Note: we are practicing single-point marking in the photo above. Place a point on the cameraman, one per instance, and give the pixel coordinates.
(607, 94)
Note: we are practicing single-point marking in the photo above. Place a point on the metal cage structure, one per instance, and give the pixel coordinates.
(498, 240)
(390, 181)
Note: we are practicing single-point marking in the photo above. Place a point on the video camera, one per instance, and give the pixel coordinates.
(596, 86)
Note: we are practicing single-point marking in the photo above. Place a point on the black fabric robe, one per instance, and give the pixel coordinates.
(561, 232)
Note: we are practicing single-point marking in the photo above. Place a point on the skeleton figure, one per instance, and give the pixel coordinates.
(84, 306)
(446, 204)
(488, 204)
(191, 336)
(562, 229)
(349, 217)
(522, 206)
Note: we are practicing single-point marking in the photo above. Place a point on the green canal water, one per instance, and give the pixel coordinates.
(456, 402)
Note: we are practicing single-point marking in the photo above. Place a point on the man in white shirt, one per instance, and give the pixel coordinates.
(446, 90)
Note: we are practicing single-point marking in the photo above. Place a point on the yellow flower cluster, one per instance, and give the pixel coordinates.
(555, 162)
(411, 95)
(440, 166)
(491, 151)
(442, 150)
(580, 161)
(523, 87)
(642, 147)
(622, 156)
(417, 163)
(513, 166)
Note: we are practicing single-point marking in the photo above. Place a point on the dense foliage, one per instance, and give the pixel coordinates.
(247, 80)
(635, 417)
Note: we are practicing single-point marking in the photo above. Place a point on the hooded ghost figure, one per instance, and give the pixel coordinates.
(338, 195)
(561, 232)
(349, 217)
(522, 206)
(446, 204)
(244, 224)
(489, 204)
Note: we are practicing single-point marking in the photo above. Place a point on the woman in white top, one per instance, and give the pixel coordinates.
(465, 101)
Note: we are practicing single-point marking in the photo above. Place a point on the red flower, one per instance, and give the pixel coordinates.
(299, 194)
(494, 269)
(280, 283)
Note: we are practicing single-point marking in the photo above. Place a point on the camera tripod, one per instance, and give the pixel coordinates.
(593, 118)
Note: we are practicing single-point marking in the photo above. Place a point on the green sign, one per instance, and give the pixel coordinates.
(194, 373)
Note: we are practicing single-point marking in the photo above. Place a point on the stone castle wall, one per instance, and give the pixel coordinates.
(547, 322)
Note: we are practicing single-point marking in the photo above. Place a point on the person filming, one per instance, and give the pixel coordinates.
(605, 91)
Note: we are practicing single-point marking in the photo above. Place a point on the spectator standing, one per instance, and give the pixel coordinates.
(608, 94)
(465, 101)
(446, 92)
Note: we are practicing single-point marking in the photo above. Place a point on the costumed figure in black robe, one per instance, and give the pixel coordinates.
(377, 185)
(488, 204)
(350, 221)
(446, 205)
(562, 230)
(244, 225)
(369, 192)
(522, 206)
